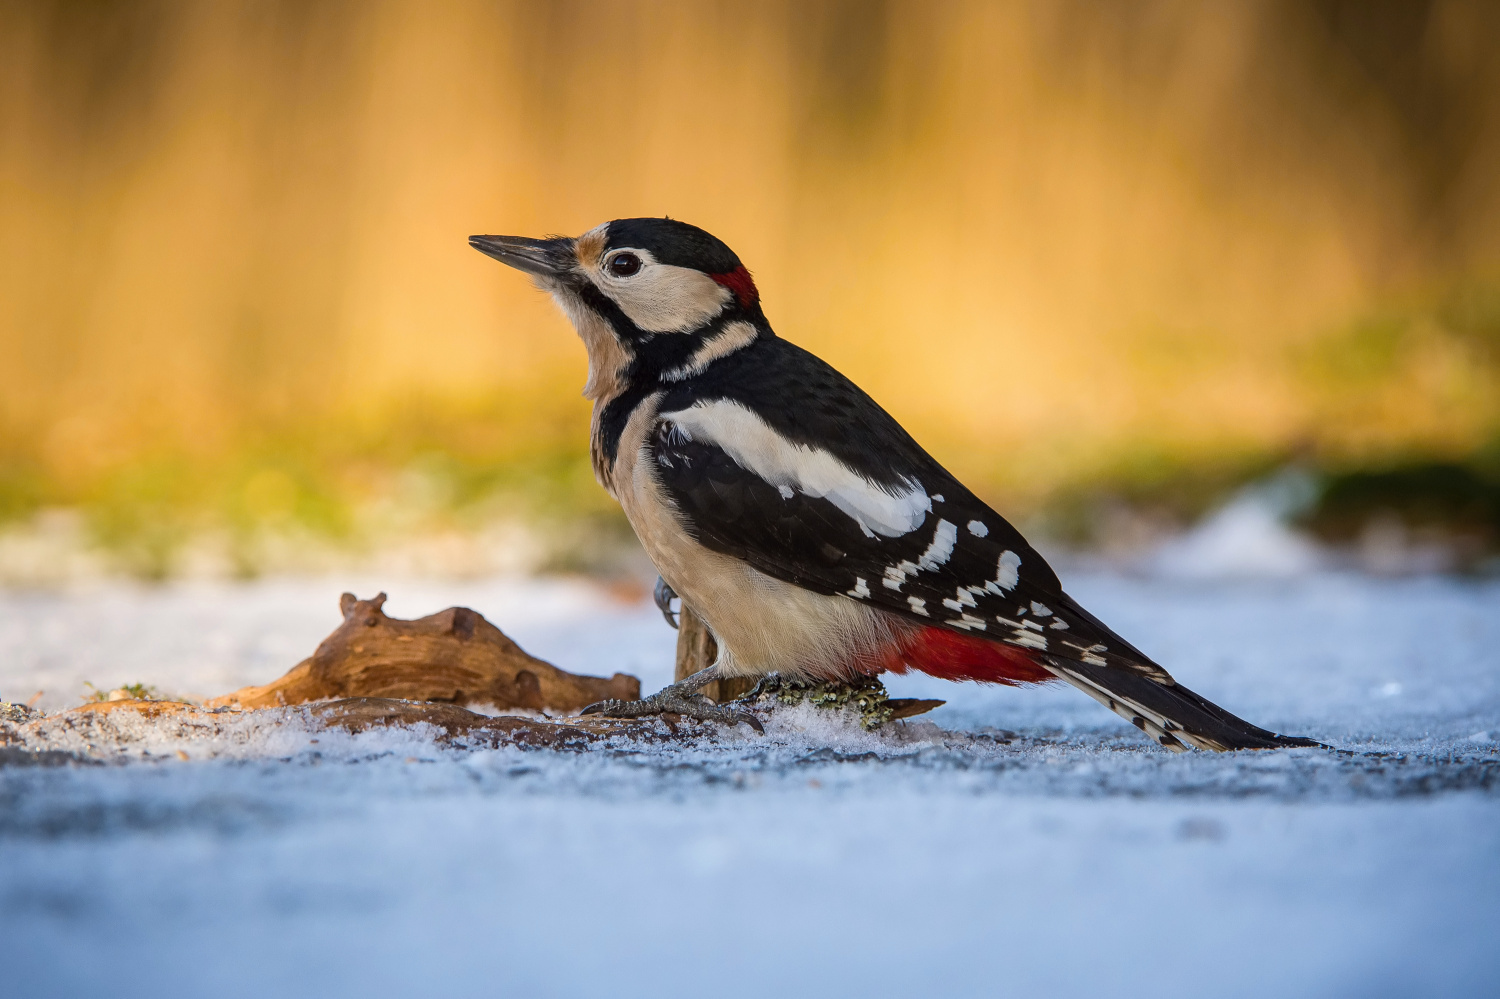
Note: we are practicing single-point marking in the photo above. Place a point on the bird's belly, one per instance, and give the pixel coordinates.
(762, 624)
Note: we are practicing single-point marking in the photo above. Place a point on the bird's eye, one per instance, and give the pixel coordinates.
(624, 264)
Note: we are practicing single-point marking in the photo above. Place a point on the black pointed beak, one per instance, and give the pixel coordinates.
(551, 258)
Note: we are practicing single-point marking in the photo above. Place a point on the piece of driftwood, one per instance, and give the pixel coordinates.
(696, 649)
(453, 656)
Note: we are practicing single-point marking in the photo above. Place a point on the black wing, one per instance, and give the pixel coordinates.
(810, 542)
(965, 567)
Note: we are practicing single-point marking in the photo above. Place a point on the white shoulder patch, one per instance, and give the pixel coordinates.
(756, 447)
(731, 338)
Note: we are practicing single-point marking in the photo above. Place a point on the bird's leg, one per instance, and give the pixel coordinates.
(680, 698)
(664, 595)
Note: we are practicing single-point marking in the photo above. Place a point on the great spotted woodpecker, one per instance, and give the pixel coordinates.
(811, 533)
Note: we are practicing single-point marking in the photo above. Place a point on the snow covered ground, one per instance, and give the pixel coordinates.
(1012, 842)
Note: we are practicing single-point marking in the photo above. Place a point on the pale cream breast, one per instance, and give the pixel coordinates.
(762, 624)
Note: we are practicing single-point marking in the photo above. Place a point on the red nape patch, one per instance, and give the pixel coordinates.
(739, 282)
(952, 655)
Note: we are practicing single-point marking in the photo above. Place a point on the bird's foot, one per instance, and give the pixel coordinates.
(663, 594)
(676, 699)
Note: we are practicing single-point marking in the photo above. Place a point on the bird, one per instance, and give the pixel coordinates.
(804, 525)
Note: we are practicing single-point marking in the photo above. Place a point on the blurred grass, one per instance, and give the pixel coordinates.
(1429, 364)
(354, 482)
(1400, 419)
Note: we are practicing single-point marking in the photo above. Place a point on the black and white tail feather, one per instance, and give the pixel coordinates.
(1134, 687)
(1171, 714)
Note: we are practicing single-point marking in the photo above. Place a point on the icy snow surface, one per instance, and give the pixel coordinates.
(1012, 842)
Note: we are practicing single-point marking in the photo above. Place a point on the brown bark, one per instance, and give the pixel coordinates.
(696, 649)
(453, 656)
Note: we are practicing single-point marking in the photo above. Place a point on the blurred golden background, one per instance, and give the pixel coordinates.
(1140, 250)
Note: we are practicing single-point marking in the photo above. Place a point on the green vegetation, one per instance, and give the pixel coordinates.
(1402, 427)
(346, 483)
(1455, 504)
(1401, 422)
(1151, 486)
(136, 691)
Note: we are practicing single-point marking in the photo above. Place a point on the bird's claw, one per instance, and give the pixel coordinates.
(669, 701)
(663, 594)
(770, 680)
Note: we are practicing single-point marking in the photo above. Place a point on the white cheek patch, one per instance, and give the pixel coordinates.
(754, 446)
(663, 298)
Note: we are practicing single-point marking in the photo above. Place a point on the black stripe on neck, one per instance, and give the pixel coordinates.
(616, 414)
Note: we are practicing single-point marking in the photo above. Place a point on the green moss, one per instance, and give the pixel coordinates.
(866, 697)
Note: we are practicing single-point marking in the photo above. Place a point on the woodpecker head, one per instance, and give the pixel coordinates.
(653, 299)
